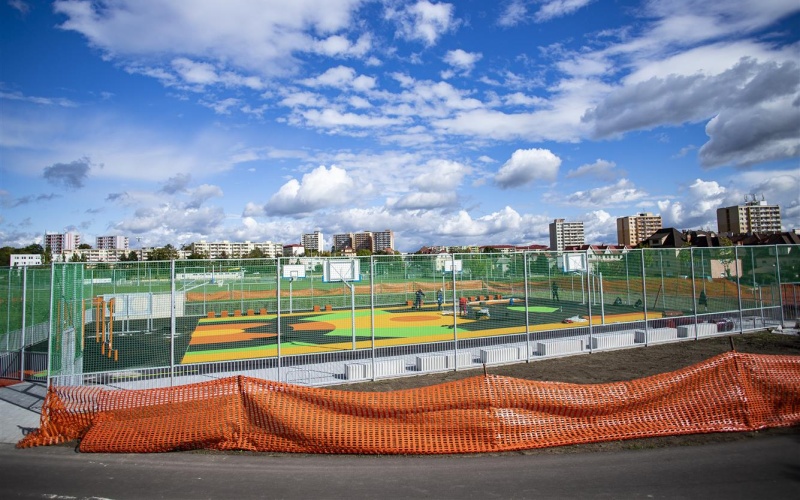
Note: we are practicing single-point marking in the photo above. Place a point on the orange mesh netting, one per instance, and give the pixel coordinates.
(730, 392)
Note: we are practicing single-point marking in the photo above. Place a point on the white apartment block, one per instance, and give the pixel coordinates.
(112, 243)
(293, 250)
(234, 250)
(61, 243)
(752, 217)
(312, 242)
(564, 234)
(26, 259)
(102, 254)
(633, 229)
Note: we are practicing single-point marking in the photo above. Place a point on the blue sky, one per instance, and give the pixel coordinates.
(471, 122)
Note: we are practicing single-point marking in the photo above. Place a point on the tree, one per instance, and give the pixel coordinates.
(84, 246)
(255, 253)
(726, 254)
(167, 252)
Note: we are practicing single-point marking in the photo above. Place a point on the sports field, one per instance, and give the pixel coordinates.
(247, 337)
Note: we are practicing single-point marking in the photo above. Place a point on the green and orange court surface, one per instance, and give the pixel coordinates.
(247, 337)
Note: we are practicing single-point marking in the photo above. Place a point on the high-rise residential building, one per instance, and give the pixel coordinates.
(374, 241)
(112, 243)
(312, 243)
(61, 243)
(342, 241)
(382, 241)
(563, 234)
(633, 229)
(753, 217)
(362, 241)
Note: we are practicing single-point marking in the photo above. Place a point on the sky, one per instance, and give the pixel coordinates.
(462, 123)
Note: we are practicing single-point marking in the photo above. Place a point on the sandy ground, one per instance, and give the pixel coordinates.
(614, 366)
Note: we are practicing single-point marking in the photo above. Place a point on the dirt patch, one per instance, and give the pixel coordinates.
(615, 366)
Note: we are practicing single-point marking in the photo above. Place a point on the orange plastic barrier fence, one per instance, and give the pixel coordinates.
(730, 392)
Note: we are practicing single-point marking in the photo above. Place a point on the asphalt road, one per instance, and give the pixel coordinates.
(763, 467)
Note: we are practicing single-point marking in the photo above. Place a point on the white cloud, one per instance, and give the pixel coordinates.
(340, 46)
(621, 192)
(513, 14)
(462, 60)
(526, 166)
(423, 21)
(47, 101)
(558, 8)
(425, 200)
(339, 121)
(341, 77)
(260, 36)
(440, 176)
(600, 169)
(321, 188)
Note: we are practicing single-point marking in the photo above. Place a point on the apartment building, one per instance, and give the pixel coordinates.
(382, 241)
(312, 243)
(61, 244)
(342, 241)
(634, 229)
(374, 241)
(755, 216)
(26, 259)
(112, 243)
(233, 250)
(564, 234)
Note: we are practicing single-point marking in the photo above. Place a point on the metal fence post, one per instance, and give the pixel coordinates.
(589, 294)
(278, 312)
(372, 310)
(780, 285)
(456, 310)
(527, 314)
(22, 339)
(694, 290)
(173, 306)
(738, 287)
(644, 298)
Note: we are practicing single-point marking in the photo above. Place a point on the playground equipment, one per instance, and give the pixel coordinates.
(104, 332)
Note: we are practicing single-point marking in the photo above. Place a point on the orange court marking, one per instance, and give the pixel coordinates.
(233, 337)
(312, 325)
(405, 318)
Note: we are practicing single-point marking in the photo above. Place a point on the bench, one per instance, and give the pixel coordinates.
(557, 347)
(656, 335)
(499, 355)
(383, 368)
(431, 362)
(702, 329)
(464, 359)
(612, 340)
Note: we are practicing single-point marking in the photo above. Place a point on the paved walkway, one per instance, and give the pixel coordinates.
(20, 409)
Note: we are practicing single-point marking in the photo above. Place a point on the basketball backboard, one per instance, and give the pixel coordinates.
(293, 271)
(341, 270)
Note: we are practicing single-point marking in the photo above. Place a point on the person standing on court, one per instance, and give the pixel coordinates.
(555, 292)
(439, 299)
(462, 302)
(418, 299)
